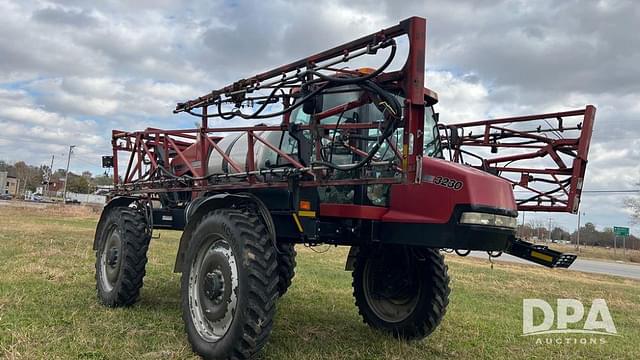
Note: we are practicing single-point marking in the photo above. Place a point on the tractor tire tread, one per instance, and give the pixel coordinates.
(135, 244)
(259, 260)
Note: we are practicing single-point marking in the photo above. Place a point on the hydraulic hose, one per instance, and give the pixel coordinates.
(334, 80)
(384, 101)
(391, 109)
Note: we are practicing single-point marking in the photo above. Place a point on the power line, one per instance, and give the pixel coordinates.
(594, 191)
(86, 162)
(611, 191)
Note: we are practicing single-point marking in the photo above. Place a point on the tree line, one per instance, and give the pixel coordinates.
(589, 235)
(31, 177)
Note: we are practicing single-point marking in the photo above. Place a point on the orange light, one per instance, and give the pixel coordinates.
(305, 205)
(365, 70)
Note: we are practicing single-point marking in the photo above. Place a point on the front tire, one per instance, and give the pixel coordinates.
(230, 286)
(121, 257)
(401, 290)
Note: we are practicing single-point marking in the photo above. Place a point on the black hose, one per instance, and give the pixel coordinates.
(353, 80)
(330, 79)
(231, 114)
(333, 139)
(295, 105)
(391, 119)
(386, 103)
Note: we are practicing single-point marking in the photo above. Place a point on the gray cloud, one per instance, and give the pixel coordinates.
(559, 46)
(63, 17)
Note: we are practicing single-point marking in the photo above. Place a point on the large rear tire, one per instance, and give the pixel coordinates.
(286, 266)
(401, 290)
(121, 257)
(230, 286)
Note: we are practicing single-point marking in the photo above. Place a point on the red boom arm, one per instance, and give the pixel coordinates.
(543, 156)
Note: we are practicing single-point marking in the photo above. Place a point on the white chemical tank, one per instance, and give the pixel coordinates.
(235, 146)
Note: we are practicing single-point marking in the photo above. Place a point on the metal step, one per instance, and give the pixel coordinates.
(540, 254)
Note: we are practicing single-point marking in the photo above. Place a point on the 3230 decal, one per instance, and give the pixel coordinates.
(444, 181)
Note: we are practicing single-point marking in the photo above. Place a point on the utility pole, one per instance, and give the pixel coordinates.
(66, 176)
(578, 234)
(539, 234)
(550, 230)
(46, 191)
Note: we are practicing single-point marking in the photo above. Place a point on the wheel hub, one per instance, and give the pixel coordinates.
(214, 286)
(390, 285)
(213, 282)
(112, 257)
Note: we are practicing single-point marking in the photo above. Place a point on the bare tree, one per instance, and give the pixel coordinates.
(633, 203)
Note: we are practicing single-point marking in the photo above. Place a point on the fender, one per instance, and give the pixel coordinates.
(118, 201)
(202, 206)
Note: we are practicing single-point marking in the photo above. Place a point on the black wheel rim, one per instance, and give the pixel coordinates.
(392, 285)
(111, 258)
(213, 283)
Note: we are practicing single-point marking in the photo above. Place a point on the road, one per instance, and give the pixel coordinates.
(585, 265)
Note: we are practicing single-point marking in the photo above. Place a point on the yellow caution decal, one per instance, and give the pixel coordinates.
(541, 256)
(307, 213)
(298, 224)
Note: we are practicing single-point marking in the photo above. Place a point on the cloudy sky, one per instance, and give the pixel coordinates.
(69, 72)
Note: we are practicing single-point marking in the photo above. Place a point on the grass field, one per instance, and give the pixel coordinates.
(598, 252)
(48, 307)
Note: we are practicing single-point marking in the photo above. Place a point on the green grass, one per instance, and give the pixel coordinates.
(48, 306)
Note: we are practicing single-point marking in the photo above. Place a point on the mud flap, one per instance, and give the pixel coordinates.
(540, 254)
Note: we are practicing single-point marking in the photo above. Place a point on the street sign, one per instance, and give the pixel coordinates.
(621, 231)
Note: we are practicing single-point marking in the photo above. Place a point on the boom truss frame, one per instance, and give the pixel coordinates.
(150, 151)
(562, 183)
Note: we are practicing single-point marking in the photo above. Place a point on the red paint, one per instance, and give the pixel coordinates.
(413, 84)
(430, 203)
(352, 211)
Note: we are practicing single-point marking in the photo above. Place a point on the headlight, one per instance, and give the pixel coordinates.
(488, 220)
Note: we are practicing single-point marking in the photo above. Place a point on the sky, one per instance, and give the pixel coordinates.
(71, 70)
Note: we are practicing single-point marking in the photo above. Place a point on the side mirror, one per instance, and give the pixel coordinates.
(436, 116)
(313, 105)
(454, 137)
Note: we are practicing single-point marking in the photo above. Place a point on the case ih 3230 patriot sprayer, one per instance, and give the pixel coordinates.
(357, 159)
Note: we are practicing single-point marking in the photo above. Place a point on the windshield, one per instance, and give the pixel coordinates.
(376, 194)
(431, 142)
(338, 96)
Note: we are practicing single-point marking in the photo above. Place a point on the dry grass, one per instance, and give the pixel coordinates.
(48, 307)
(598, 252)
